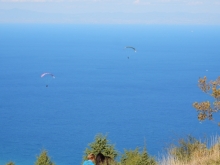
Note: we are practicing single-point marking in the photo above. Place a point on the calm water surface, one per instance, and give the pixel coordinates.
(97, 89)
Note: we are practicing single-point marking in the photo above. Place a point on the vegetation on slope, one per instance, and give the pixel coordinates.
(188, 151)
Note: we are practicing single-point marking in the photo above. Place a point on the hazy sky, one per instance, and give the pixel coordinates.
(111, 11)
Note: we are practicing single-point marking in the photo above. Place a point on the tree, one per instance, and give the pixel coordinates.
(43, 159)
(205, 109)
(130, 157)
(135, 157)
(101, 144)
(10, 163)
(146, 159)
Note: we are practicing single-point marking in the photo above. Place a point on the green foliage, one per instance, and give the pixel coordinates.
(134, 157)
(130, 157)
(101, 144)
(206, 109)
(43, 159)
(10, 163)
(186, 149)
(146, 159)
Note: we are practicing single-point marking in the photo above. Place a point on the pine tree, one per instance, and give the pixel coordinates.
(10, 163)
(130, 157)
(43, 159)
(146, 159)
(101, 144)
(135, 157)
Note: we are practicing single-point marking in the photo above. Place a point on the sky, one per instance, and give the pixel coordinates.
(205, 12)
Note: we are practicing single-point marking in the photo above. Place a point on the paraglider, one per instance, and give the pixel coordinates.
(47, 76)
(131, 48)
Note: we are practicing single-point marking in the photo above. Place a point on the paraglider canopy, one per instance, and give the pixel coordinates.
(50, 74)
(131, 48)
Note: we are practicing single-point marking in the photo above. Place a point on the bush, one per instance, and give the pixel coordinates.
(193, 152)
(187, 148)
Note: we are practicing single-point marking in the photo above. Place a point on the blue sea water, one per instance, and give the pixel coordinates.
(146, 99)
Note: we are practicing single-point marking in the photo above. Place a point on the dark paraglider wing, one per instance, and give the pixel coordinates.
(131, 48)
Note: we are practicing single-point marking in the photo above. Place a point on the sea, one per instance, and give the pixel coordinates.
(136, 99)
